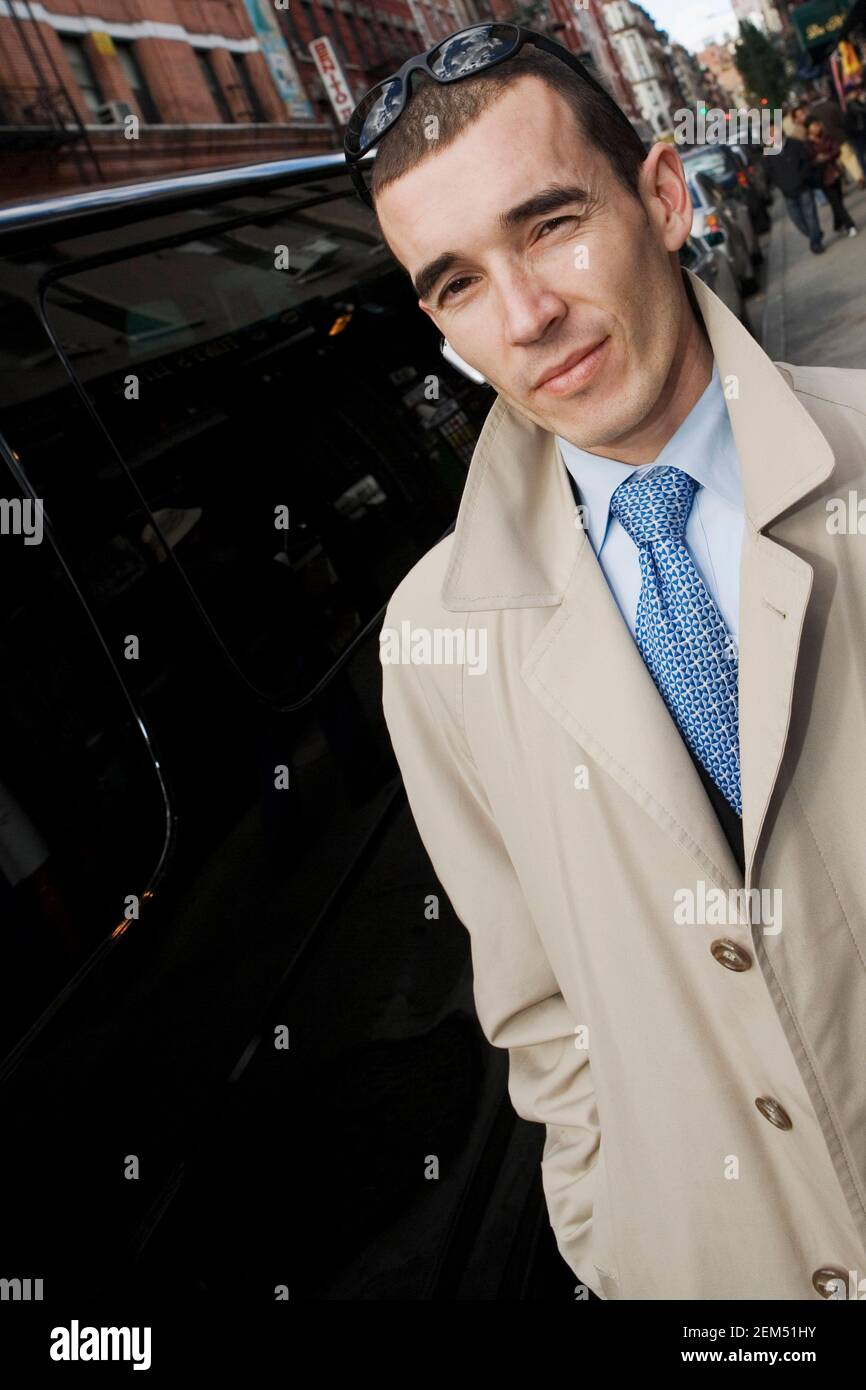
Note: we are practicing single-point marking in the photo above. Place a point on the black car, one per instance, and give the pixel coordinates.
(237, 1007)
(232, 982)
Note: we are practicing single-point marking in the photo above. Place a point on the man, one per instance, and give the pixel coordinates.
(828, 111)
(826, 155)
(794, 123)
(599, 793)
(792, 171)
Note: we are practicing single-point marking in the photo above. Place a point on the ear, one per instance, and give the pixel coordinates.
(665, 195)
(425, 309)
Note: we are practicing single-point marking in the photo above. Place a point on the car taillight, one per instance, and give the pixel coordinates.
(742, 179)
(713, 222)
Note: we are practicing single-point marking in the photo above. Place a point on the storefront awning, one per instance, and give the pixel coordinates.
(819, 23)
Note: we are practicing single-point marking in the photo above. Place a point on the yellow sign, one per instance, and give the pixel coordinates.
(103, 43)
(851, 65)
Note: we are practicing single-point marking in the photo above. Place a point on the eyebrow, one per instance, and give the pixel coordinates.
(549, 199)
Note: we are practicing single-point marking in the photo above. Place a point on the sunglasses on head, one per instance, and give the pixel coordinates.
(464, 53)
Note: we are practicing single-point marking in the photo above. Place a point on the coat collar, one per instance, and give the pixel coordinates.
(514, 538)
(519, 543)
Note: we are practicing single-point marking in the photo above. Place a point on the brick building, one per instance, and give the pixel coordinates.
(110, 91)
(723, 78)
(645, 56)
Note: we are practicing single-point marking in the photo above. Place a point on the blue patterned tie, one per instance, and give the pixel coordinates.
(680, 632)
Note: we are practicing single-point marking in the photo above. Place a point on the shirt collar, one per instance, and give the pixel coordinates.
(703, 447)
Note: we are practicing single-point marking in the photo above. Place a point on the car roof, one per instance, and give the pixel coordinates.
(157, 194)
(691, 151)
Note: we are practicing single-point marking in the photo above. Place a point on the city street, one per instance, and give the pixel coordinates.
(814, 307)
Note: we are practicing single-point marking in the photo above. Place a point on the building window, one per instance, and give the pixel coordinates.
(351, 22)
(135, 77)
(312, 23)
(83, 73)
(249, 91)
(205, 63)
(393, 41)
(293, 33)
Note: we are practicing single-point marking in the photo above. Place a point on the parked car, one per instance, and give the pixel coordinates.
(721, 221)
(712, 266)
(220, 390)
(728, 170)
(752, 158)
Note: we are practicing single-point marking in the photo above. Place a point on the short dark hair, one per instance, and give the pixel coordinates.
(456, 105)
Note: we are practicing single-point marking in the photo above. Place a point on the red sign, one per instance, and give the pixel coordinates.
(332, 76)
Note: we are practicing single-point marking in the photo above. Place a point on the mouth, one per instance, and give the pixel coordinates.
(574, 372)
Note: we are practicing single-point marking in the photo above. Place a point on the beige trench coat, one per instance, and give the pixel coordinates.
(701, 1077)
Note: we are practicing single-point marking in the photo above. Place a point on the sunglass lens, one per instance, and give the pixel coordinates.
(375, 114)
(473, 49)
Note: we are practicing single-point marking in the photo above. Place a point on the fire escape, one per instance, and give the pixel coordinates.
(40, 115)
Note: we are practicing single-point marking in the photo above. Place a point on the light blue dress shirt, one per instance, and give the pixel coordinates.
(704, 447)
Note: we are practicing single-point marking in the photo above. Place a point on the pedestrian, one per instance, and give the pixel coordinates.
(794, 123)
(602, 790)
(855, 125)
(792, 171)
(826, 155)
(832, 118)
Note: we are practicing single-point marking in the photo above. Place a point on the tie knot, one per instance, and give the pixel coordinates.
(656, 505)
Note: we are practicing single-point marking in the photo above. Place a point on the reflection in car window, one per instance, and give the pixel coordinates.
(268, 385)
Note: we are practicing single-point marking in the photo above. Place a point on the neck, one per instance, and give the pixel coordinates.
(690, 373)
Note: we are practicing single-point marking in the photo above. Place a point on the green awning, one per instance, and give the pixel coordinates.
(819, 23)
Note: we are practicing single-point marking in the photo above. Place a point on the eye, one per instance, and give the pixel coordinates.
(448, 291)
(555, 221)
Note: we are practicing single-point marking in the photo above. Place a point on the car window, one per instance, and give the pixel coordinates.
(696, 193)
(711, 162)
(281, 403)
(83, 817)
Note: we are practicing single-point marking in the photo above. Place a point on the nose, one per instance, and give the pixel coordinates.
(529, 306)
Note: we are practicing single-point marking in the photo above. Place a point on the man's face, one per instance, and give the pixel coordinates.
(591, 280)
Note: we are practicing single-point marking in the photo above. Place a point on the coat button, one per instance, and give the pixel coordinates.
(730, 955)
(831, 1282)
(773, 1111)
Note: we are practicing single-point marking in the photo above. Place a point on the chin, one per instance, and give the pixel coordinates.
(592, 424)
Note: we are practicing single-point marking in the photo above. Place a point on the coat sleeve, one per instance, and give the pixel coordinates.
(518, 1000)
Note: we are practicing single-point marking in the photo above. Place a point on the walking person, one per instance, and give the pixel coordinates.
(826, 156)
(792, 170)
(855, 124)
(794, 123)
(828, 111)
(670, 710)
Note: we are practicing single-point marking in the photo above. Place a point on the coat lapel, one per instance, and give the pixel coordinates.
(518, 544)
(587, 671)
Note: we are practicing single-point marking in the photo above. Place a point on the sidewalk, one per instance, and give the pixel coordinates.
(815, 307)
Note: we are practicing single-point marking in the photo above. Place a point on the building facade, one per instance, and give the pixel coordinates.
(724, 81)
(643, 51)
(110, 91)
(762, 13)
(688, 74)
